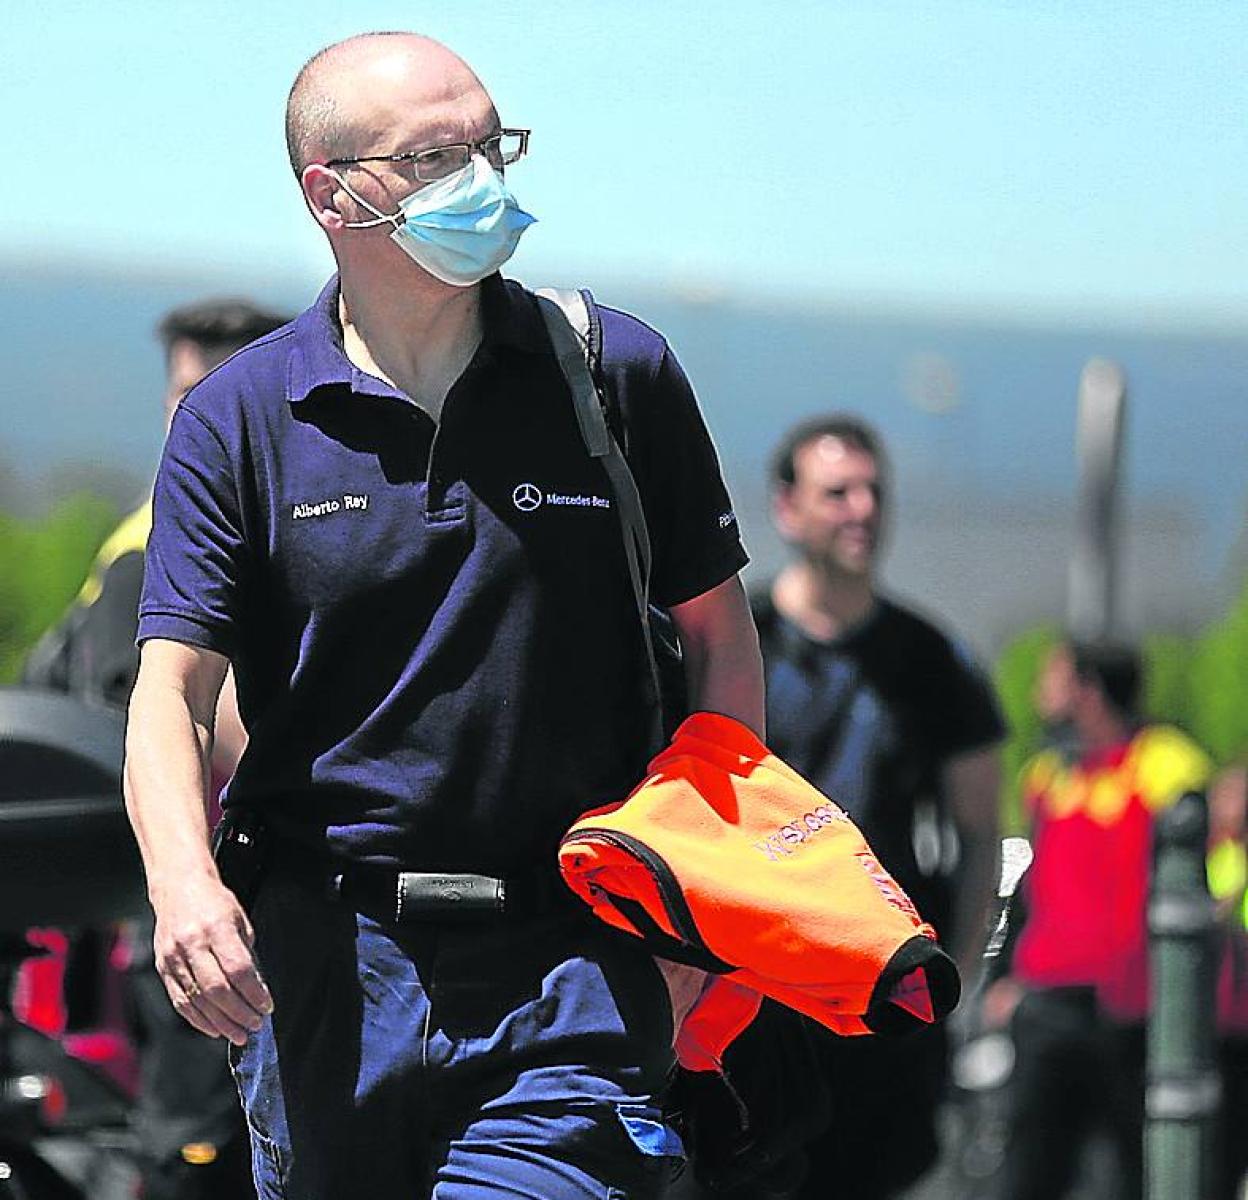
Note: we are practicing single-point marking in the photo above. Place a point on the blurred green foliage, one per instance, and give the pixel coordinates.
(1167, 679)
(1218, 681)
(42, 565)
(1198, 683)
(1015, 673)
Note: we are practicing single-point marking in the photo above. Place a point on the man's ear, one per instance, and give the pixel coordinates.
(321, 193)
(783, 515)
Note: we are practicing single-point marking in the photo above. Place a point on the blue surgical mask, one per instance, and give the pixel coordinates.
(460, 229)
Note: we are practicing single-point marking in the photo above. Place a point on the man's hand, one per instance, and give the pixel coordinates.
(203, 938)
(1000, 1001)
(203, 955)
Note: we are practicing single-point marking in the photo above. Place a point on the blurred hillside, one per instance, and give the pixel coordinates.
(979, 413)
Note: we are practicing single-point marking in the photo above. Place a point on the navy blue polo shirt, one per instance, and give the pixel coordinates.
(433, 633)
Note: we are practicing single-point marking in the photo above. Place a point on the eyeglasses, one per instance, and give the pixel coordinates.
(500, 149)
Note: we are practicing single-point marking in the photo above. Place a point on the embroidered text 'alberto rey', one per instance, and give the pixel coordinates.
(324, 507)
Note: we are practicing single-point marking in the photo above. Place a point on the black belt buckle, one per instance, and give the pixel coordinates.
(429, 896)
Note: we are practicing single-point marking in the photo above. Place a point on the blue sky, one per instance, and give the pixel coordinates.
(1029, 158)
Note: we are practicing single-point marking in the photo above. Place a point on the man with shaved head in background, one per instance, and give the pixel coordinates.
(385, 518)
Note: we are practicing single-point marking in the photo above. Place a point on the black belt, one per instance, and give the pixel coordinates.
(403, 897)
(396, 897)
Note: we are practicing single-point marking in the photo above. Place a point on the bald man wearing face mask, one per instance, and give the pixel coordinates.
(385, 518)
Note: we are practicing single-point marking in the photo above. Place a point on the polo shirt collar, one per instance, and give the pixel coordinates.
(509, 315)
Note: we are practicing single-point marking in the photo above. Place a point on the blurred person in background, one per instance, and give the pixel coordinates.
(889, 716)
(91, 652)
(1077, 994)
(191, 1134)
(1228, 884)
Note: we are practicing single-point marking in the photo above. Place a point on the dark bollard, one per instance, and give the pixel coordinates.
(1183, 1090)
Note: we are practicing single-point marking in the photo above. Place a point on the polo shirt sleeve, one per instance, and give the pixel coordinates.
(694, 535)
(195, 551)
(1167, 764)
(966, 717)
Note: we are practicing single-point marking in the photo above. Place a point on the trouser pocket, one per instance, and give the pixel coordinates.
(659, 1145)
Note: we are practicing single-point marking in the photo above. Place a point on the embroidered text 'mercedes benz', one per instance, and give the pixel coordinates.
(555, 498)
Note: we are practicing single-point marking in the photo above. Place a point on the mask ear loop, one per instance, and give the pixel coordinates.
(395, 219)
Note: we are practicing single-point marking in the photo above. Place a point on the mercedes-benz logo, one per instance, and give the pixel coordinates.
(527, 497)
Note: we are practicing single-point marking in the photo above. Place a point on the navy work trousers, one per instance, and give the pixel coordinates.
(501, 1058)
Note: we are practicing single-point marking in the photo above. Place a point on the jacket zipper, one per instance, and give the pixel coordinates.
(674, 903)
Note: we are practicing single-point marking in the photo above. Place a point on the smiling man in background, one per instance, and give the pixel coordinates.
(890, 717)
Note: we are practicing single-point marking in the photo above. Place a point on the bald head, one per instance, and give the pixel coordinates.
(350, 94)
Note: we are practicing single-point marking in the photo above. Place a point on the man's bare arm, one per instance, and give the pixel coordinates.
(203, 938)
(722, 662)
(229, 738)
(724, 671)
(972, 787)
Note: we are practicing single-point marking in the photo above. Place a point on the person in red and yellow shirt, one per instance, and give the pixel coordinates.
(1079, 982)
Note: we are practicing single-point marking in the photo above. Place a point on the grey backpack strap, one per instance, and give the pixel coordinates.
(567, 321)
